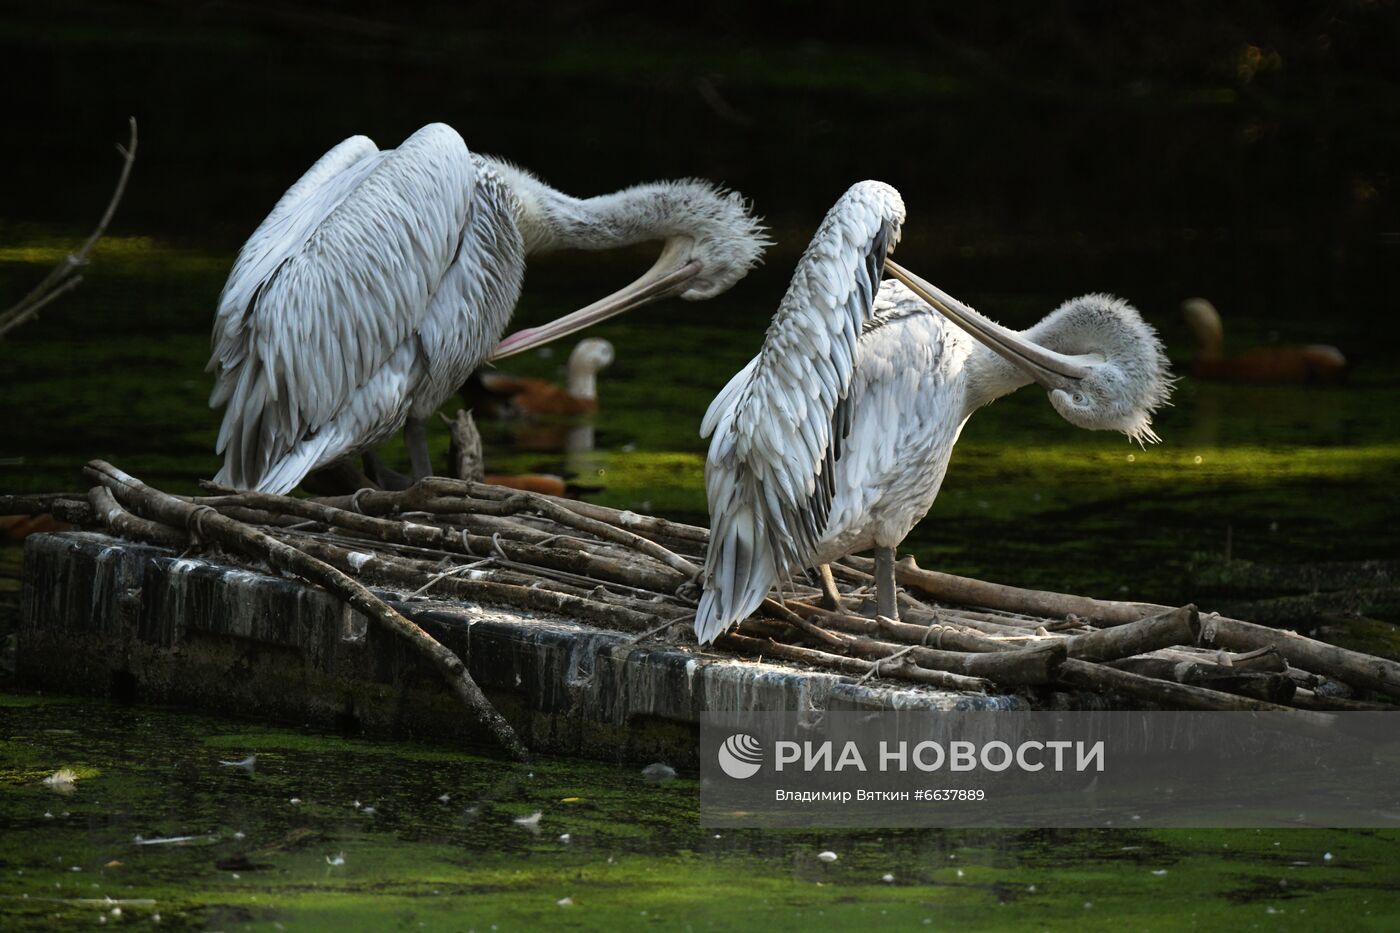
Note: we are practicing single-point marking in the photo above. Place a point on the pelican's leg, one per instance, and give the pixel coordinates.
(415, 438)
(831, 596)
(886, 600)
(377, 470)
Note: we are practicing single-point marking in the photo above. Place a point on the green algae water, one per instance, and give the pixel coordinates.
(200, 823)
(1194, 169)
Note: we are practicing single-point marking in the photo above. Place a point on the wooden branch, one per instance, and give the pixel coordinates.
(37, 504)
(933, 635)
(464, 453)
(439, 494)
(1351, 667)
(1173, 627)
(471, 541)
(528, 597)
(1272, 686)
(660, 579)
(1266, 658)
(991, 622)
(775, 649)
(1308, 699)
(204, 522)
(646, 525)
(796, 621)
(1164, 693)
(64, 276)
(966, 591)
(1019, 667)
(122, 523)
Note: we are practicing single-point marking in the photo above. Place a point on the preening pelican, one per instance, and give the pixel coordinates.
(1282, 365)
(835, 438)
(381, 279)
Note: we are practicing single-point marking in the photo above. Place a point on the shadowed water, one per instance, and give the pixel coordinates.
(350, 835)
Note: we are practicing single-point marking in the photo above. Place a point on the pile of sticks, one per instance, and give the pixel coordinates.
(450, 538)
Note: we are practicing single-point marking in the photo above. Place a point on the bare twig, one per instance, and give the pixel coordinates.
(442, 495)
(65, 276)
(797, 622)
(775, 649)
(648, 575)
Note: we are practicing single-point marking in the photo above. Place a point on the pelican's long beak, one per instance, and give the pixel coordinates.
(666, 276)
(1048, 368)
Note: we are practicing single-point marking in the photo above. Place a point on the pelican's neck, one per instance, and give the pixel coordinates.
(549, 219)
(989, 376)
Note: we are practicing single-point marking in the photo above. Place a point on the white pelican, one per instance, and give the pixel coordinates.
(382, 279)
(835, 438)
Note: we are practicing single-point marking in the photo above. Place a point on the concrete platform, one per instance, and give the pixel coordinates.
(105, 616)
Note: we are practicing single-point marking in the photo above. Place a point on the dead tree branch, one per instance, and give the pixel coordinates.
(65, 276)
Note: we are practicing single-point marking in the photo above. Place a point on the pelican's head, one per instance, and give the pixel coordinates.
(710, 240)
(711, 231)
(1100, 362)
(1127, 376)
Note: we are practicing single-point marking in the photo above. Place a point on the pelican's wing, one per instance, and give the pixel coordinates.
(329, 287)
(789, 418)
(779, 424)
(907, 409)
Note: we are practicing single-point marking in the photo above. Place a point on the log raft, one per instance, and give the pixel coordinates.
(624, 572)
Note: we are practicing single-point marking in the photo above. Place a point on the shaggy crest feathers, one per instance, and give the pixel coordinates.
(726, 236)
(1133, 380)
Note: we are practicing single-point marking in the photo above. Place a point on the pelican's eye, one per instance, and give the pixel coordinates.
(1079, 398)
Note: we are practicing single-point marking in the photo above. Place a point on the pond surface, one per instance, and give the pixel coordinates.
(350, 835)
(1157, 171)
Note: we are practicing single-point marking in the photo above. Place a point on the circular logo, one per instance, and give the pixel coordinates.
(741, 756)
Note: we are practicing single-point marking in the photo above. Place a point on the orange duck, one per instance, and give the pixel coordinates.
(498, 394)
(15, 528)
(1287, 365)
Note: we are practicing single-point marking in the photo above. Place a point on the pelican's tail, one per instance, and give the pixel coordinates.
(282, 476)
(739, 571)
